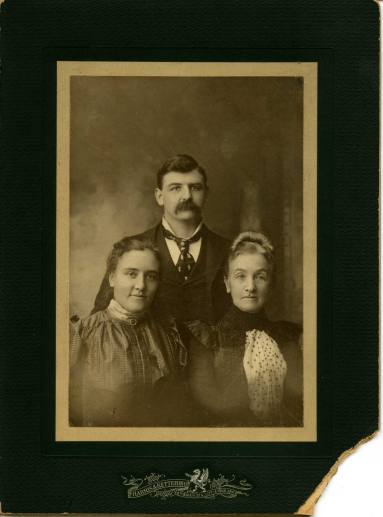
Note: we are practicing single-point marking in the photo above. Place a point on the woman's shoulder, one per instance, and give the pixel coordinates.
(86, 326)
(84, 333)
(285, 331)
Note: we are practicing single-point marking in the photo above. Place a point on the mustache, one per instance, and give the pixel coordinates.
(187, 205)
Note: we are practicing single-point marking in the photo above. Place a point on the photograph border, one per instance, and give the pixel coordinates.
(308, 72)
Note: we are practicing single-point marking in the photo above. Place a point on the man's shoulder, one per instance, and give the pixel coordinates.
(217, 239)
(147, 234)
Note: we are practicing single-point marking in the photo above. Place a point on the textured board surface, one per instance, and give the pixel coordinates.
(342, 36)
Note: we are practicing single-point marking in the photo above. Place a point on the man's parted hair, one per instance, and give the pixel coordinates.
(179, 163)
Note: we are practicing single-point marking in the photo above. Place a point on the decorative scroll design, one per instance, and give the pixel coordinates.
(197, 485)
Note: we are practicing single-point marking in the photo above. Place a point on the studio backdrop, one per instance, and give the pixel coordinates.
(247, 132)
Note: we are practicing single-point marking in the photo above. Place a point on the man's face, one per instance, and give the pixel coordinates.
(183, 195)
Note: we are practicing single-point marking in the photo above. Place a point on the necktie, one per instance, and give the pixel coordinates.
(185, 261)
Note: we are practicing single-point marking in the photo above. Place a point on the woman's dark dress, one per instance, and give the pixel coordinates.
(217, 377)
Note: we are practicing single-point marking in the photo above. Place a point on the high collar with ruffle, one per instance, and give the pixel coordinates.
(235, 319)
(117, 312)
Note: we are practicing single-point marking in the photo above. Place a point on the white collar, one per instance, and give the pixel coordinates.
(167, 226)
(118, 312)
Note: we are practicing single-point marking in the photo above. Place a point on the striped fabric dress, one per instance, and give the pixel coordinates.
(124, 370)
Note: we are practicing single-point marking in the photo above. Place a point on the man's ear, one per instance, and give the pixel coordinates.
(226, 284)
(159, 196)
(111, 279)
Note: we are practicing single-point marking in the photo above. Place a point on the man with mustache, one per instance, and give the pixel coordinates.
(192, 255)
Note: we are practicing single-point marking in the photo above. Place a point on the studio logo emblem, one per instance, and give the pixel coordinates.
(197, 485)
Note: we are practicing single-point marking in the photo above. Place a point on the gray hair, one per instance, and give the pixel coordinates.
(251, 242)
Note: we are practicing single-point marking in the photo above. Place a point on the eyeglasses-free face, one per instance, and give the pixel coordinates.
(248, 281)
(135, 280)
(182, 196)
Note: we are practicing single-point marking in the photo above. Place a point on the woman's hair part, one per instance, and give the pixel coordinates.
(125, 246)
(248, 242)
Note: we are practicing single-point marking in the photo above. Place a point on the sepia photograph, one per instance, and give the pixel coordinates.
(191, 256)
(186, 251)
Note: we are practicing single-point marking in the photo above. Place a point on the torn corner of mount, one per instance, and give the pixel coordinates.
(307, 508)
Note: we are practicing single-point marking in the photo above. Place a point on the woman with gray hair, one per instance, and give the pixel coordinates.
(247, 370)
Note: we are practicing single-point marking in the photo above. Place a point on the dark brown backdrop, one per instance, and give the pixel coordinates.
(246, 132)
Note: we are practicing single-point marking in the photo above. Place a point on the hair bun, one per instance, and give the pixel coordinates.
(254, 237)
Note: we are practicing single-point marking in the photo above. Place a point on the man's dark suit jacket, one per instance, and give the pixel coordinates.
(202, 296)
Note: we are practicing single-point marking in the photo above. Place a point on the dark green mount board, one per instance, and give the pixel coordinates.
(40, 474)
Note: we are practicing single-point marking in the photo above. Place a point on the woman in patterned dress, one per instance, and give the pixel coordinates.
(125, 363)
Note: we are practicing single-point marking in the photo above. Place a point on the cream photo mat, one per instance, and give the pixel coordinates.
(308, 72)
